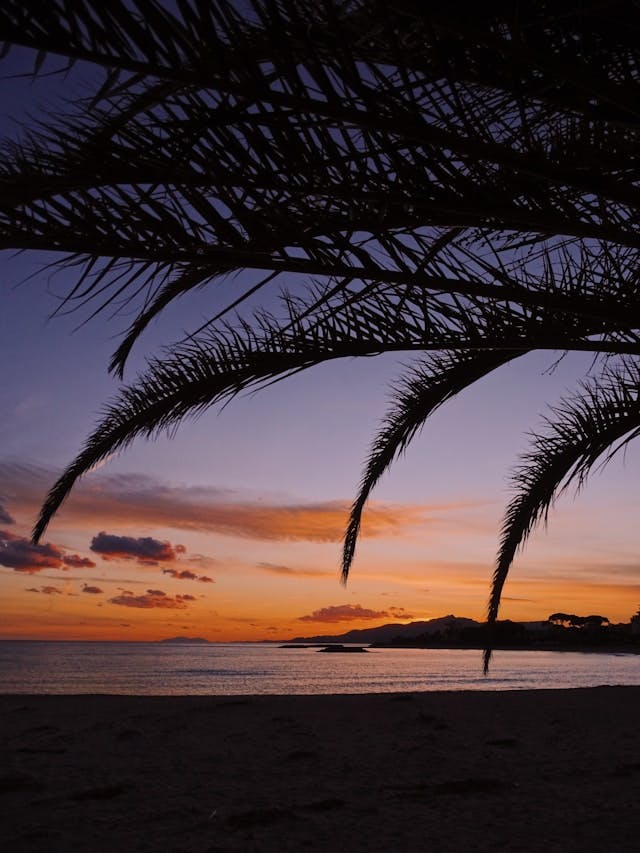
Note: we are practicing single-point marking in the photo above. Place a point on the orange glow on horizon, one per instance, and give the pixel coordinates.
(255, 571)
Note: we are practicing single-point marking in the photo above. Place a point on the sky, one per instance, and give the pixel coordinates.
(231, 529)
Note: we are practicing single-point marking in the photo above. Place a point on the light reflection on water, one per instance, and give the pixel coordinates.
(238, 669)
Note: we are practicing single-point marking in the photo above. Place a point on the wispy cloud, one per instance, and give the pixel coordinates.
(5, 517)
(74, 561)
(47, 590)
(19, 554)
(187, 575)
(153, 598)
(343, 613)
(400, 613)
(134, 500)
(276, 569)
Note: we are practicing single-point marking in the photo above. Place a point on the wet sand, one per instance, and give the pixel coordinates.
(552, 770)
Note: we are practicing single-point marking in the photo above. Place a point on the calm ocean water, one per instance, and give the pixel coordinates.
(220, 669)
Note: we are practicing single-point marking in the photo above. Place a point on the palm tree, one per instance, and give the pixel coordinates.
(459, 186)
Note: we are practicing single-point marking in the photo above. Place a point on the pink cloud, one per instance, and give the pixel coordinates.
(92, 590)
(5, 517)
(187, 575)
(343, 613)
(153, 598)
(128, 500)
(73, 561)
(19, 554)
(143, 549)
(277, 569)
(400, 613)
(47, 590)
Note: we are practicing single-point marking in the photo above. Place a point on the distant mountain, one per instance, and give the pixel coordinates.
(386, 633)
(184, 640)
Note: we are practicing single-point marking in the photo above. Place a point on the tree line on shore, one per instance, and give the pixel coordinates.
(561, 630)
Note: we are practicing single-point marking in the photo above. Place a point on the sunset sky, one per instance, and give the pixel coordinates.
(231, 530)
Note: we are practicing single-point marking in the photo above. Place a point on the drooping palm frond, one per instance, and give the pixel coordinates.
(325, 326)
(428, 385)
(584, 430)
(306, 139)
(222, 363)
(420, 177)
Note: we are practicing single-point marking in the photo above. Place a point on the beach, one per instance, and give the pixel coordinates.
(553, 770)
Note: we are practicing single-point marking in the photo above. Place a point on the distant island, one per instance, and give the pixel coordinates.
(560, 632)
(184, 640)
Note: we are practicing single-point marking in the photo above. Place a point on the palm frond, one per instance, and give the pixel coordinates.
(423, 177)
(223, 362)
(584, 430)
(428, 385)
(314, 113)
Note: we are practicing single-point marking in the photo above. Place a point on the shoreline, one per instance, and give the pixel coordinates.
(632, 649)
(592, 648)
(450, 771)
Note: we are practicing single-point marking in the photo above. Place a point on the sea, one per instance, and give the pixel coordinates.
(218, 669)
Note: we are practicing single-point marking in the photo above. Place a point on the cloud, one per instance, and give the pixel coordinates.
(187, 575)
(183, 575)
(46, 590)
(19, 554)
(92, 590)
(343, 613)
(153, 598)
(73, 561)
(275, 569)
(320, 522)
(127, 500)
(202, 560)
(400, 613)
(5, 518)
(143, 549)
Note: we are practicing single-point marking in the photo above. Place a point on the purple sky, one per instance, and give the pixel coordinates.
(298, 444)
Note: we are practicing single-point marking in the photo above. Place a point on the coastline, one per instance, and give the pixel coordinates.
(587, 648)
(511, 770)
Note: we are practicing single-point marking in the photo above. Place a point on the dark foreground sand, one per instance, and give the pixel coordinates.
(529, 770)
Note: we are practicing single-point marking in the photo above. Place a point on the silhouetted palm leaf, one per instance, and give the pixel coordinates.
(424, 389)
(222, 363)
(584, 430)
(421, 177)
(320, 140)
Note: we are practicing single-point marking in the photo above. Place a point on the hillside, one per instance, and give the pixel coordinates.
(391, 631)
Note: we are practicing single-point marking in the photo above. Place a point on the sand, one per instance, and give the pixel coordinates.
(546, 770)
